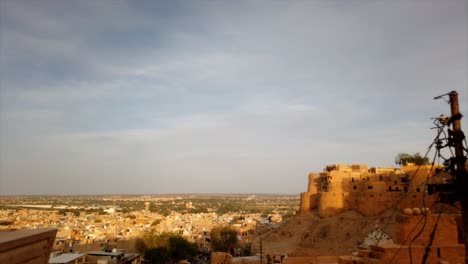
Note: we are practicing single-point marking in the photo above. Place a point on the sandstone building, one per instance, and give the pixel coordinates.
(374, 191)
(369, 191)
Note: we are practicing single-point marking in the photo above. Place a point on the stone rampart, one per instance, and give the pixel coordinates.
(331, 203)
(370, 191)
(312, 187)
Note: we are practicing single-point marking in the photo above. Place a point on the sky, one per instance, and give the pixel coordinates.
(156, 97)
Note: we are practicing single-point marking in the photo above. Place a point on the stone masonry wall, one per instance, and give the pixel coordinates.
(368, 191)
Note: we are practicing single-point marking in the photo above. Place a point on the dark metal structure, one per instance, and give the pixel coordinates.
(454, 189)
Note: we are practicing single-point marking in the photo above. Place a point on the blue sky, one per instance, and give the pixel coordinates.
(104, 97)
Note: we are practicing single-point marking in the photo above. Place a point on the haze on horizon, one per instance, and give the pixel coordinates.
(147, 97)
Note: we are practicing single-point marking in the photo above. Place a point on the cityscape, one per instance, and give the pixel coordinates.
(348, 214)
(142, 212)
(86, 223)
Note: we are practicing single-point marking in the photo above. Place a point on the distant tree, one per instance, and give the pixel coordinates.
(140, 245)
(403, 159)
(288, 216)
(181, 249)
(156, 222)
(198, 210)
(165, 248)
(420, 160)
(223, 238)
(131, 216)
(5, 222)
(228, 207)
(157, 255)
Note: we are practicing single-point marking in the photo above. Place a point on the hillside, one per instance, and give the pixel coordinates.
(311, 235)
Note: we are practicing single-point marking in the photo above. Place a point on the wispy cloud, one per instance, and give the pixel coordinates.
(115, 96)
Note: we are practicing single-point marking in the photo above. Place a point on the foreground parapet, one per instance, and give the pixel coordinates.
(27, 246)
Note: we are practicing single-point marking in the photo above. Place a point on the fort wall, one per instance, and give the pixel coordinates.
(447, 234)
(305, 207)
(331, 203)
(370, 191)
(312, 187)
(308, 202)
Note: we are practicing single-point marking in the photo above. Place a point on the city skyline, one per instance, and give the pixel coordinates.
(148, 97)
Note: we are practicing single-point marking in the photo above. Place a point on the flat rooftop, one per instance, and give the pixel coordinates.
(65, 258)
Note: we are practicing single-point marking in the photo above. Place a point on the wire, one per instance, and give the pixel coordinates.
(403, 195)
(452, 205)
(437, 153)
(465, 147)
(409, 234)
(424, 206)
(431, 237)
(440, 128)
(446, 139)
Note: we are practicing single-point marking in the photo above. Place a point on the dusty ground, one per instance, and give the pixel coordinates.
(311, 235)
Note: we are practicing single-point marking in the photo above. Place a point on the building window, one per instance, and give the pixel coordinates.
(369, 187)
(354, 187)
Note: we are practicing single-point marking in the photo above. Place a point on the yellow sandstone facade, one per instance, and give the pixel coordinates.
(370, 191)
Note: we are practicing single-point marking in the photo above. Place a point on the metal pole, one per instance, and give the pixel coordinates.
(458, 134)
(460, 170)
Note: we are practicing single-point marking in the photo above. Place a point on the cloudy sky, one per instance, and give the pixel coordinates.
(111, 97)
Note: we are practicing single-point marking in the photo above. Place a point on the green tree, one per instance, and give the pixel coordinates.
(420, 160)
(156, 222)
(165, 248)
(5, 222)
(157, 255)
(140, 245)
(403, 159)
(223, 238)
(181, 249)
